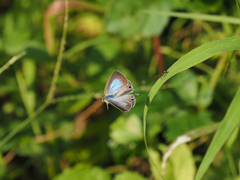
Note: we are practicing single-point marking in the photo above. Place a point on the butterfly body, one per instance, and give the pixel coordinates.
(117, 92)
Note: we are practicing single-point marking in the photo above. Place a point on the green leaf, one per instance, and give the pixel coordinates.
(126, 19)
(28, 147)
(126, 130)
(185, 121)
(186, 86)
(157, 162)
(29, 72)
(189, 136)
(27, 95)
(84, 172)
(182, 163)
(179, 167)
(192, 58)
(155, 25)
(229, 122)
(109, 49)
(205, 95)
(127, 175)
(14, 40)
(78, 105)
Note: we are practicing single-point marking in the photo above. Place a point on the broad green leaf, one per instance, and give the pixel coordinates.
(109, 49)
(168, 174)
(229, 122)
(128, 175)
(180, 166)
(14, 40)
(155, 24)
(84, 172)
(185, 121)
(191, 59)
(126, 130)
(126, 19)
(28, 147)
(182, 163)
(186, 86)
(205, 95)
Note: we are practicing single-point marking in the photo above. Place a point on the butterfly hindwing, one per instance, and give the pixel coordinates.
(124, 103)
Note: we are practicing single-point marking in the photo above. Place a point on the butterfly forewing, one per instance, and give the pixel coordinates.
(116, 84)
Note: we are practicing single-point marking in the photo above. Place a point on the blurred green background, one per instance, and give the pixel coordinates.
(75, 137)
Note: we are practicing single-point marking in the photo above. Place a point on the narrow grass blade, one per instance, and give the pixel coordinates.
(191, 59)
(228, 124)
(204, 17)
(85, 44)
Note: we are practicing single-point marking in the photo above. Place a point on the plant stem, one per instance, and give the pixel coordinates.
(60, 56)
(11, 61)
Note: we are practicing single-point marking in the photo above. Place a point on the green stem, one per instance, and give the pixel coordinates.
(194, 16)
(11, 61)
(60, 56)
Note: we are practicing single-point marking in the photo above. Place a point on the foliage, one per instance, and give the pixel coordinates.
(68, 134)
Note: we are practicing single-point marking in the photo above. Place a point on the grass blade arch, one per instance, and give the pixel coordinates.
(190, 59)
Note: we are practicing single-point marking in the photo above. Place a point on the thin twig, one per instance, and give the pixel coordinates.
(11, 61)
(49, 136)
(80, 121)
(9, 156)
(60, 56)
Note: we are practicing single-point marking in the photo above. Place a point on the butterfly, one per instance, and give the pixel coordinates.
(117, 92)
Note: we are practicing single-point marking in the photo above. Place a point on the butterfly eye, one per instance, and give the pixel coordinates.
(130, 87)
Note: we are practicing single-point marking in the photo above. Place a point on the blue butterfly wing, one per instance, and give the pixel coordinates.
(116, 83)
